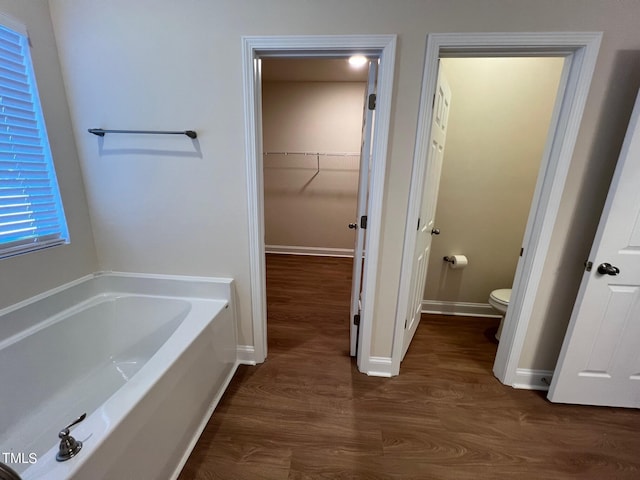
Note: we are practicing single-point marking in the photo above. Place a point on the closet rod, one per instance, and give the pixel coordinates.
(100, 132)
(316, 154)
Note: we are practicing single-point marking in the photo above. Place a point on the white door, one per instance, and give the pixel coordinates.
(426, 227)
(599, 363)
(361, 211)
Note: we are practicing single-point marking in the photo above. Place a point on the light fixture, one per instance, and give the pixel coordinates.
(358, 61)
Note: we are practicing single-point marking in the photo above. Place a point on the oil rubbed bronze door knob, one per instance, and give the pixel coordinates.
(608, 269)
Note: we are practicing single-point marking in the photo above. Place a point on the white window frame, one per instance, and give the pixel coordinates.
(16, 199)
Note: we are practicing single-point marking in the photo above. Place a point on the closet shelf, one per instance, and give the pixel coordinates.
(355, 156)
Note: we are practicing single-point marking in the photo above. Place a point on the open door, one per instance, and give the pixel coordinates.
(599, 363)
(361, 212)
(426, 226)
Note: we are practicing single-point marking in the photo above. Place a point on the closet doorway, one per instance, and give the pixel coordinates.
(311, 136)
(380, 50)
(316, 128)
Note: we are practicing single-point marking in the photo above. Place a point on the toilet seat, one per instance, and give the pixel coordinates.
(499, 299)
(501, 296)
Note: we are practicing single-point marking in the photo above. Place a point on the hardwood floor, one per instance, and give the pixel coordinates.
(307, 413)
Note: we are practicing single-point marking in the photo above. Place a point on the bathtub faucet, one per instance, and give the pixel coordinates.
(69, 446)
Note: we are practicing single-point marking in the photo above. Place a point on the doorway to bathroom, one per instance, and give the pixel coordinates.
(490, 126)
(489, 130)
(577, 52)
(499, 117)
(492, 134)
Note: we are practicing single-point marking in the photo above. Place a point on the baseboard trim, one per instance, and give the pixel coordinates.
(246, 354)
(528, 379)
(316, 251)
(466, 309)
(379, 367)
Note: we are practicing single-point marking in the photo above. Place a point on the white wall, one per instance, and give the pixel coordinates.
(304, 207)
(167, 64)
(497, 130)
(25, 275)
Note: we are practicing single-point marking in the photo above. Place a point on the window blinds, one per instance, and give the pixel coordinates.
(31, 214)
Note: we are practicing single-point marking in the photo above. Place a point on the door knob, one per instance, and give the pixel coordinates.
(608, 269)
(353, 226)
(435, 231)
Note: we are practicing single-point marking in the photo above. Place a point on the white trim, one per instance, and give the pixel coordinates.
(386, 70)
(379, 367)
(315, 251)
(254, 48)
(255, 193)
(558, 154)
(527, 379)
(246, 354)
(580, 51)
(464, 309)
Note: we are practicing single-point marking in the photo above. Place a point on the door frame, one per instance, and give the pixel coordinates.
(580, 50)
(306, 46)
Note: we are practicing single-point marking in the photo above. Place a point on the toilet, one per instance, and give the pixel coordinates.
(499, 299)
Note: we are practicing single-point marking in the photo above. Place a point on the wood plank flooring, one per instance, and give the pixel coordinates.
(307, 413)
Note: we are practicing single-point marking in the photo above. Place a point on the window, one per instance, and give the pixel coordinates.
(31, 214)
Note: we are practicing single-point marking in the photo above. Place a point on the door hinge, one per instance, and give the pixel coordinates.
(405, 323)
(433, 103)
(372, 101)
(521, 251)
(363, 221)
(588, 265)
(356, 320)
(418, 224)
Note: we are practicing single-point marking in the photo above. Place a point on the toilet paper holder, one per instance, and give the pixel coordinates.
(457, 262)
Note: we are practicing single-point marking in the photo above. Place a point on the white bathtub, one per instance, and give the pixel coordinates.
(146, 357)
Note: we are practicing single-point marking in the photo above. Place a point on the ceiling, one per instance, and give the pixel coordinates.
(311, 70)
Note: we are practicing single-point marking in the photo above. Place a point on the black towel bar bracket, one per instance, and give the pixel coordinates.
(100, 132)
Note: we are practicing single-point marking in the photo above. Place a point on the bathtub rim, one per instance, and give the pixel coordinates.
(19, 317)
(94, 301)
(115, 274)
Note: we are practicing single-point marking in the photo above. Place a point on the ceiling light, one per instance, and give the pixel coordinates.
(358, 61)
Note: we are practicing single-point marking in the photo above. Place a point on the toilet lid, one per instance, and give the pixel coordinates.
(502, 296)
